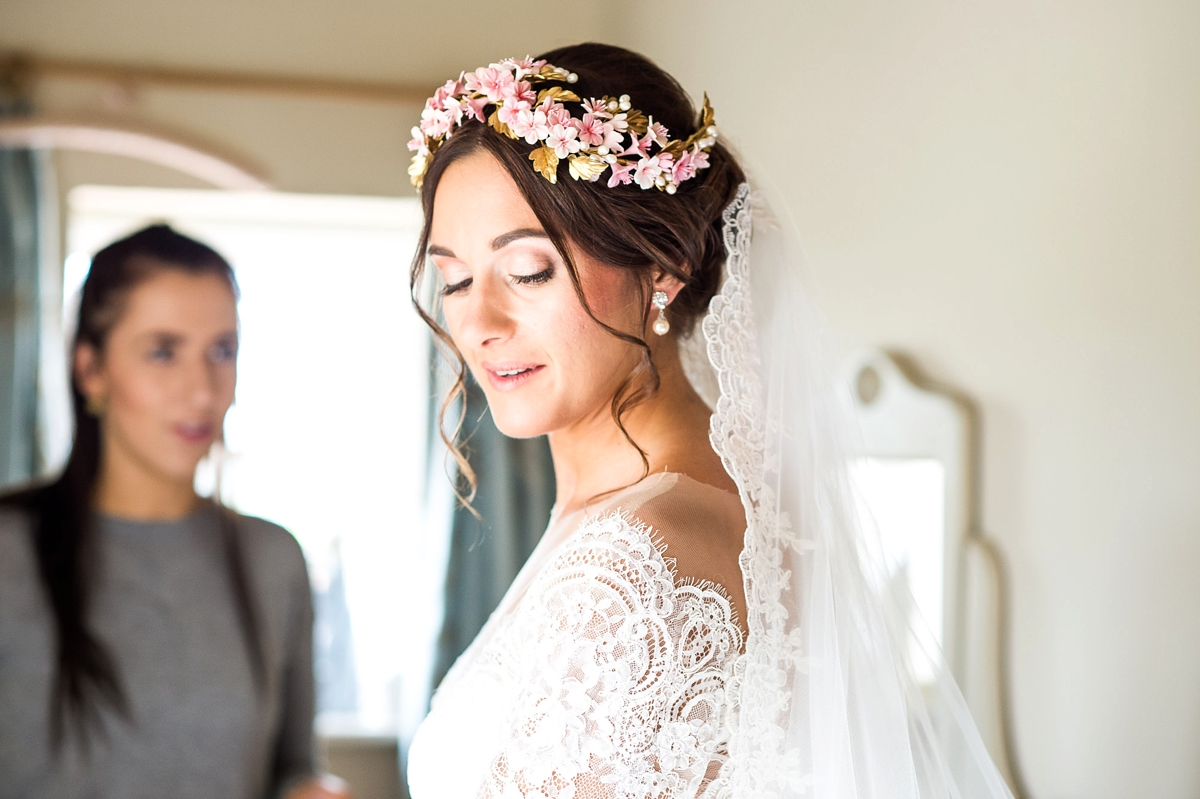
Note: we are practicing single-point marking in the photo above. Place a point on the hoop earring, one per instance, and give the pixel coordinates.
(661, 325)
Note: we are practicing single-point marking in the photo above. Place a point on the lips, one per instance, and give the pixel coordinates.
(195, 432)
(511, 375)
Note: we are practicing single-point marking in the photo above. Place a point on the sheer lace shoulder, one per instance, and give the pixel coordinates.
(702, 529)
(604, 673)
(623, 691)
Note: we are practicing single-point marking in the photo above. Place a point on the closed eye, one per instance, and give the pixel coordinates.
(456, 287)
(543, 276)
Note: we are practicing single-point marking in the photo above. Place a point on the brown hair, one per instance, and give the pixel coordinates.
(644, 231)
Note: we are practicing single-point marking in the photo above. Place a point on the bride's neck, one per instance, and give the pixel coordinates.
(593, 457)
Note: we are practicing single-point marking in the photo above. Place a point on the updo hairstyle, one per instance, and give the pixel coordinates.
(627, 227)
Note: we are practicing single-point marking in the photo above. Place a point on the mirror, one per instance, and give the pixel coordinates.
(912, 478)
(915, 479)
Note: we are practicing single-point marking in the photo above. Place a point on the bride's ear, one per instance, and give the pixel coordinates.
(667, 283)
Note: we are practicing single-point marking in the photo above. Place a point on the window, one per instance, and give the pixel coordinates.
(327, 435)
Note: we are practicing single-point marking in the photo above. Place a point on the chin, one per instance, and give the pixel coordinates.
(520, 422)
(180, 469)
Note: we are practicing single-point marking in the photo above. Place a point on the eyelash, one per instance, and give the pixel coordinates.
(536, 279)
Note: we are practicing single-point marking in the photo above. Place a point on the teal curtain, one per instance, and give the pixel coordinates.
(19, 322)
(514, 498)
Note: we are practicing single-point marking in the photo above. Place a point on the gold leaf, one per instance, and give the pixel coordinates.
(583, 167)
(675, 148)
(494, 122)
(558, 93)
(706, 114)
(637, 121)
(545, 162)
(706, 121)
(416, 170)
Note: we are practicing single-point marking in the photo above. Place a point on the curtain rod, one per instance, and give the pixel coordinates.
(21, 69)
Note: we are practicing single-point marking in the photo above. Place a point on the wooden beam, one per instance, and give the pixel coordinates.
(23, 68)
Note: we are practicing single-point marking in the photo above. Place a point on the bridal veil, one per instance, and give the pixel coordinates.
(830, 700)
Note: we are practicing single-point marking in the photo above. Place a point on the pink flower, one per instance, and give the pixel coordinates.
(444, 92)
(417, 143)
(510, 112)
(532, 125)
(474, 107)
(685, 168)
(454, 108)
(596, 108)
(526, 66)
(639, 148)
(646, 172)
(620, 122)
(656, 133)
(593, 130)
(435, 122)
(519, 91)
(620, 175)
(556, 113)
(563, 140)
(493, 80)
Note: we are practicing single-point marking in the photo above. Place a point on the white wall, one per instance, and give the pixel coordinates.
(1009, 193)
(1006, 192)
(328, 146)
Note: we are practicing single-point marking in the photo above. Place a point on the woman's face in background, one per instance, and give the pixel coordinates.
(167, 373)
(512, 310)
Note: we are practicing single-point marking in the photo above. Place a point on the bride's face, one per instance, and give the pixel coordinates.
(513, 312)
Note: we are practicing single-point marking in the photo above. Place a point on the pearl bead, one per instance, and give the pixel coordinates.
(661, 325)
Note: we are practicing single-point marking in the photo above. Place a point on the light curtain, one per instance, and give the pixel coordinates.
(514, 498)
(20, 318)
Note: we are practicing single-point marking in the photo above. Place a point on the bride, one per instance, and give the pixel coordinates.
(704, 616)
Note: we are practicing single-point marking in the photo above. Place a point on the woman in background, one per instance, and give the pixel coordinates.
(152, 643)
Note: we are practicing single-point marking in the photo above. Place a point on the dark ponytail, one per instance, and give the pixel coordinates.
(86, 676)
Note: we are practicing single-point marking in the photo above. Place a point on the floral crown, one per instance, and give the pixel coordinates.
(609, 135)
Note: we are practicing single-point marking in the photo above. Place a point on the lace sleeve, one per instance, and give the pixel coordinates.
(623, 691)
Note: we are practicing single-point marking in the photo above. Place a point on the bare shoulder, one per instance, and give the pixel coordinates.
(703, 528)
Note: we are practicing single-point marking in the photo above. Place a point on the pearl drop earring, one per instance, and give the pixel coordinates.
(661, 325)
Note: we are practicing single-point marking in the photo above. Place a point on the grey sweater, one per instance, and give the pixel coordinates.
(164, 607)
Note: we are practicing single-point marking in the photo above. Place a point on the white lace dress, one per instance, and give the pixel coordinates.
(603, 672)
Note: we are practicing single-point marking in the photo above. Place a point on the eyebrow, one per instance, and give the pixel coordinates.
(162, 337)
(501, 241)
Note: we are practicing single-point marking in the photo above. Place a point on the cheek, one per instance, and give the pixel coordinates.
(226, 387)
(136, 391)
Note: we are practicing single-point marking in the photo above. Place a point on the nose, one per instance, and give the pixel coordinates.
(199, 384)
(486, 317)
